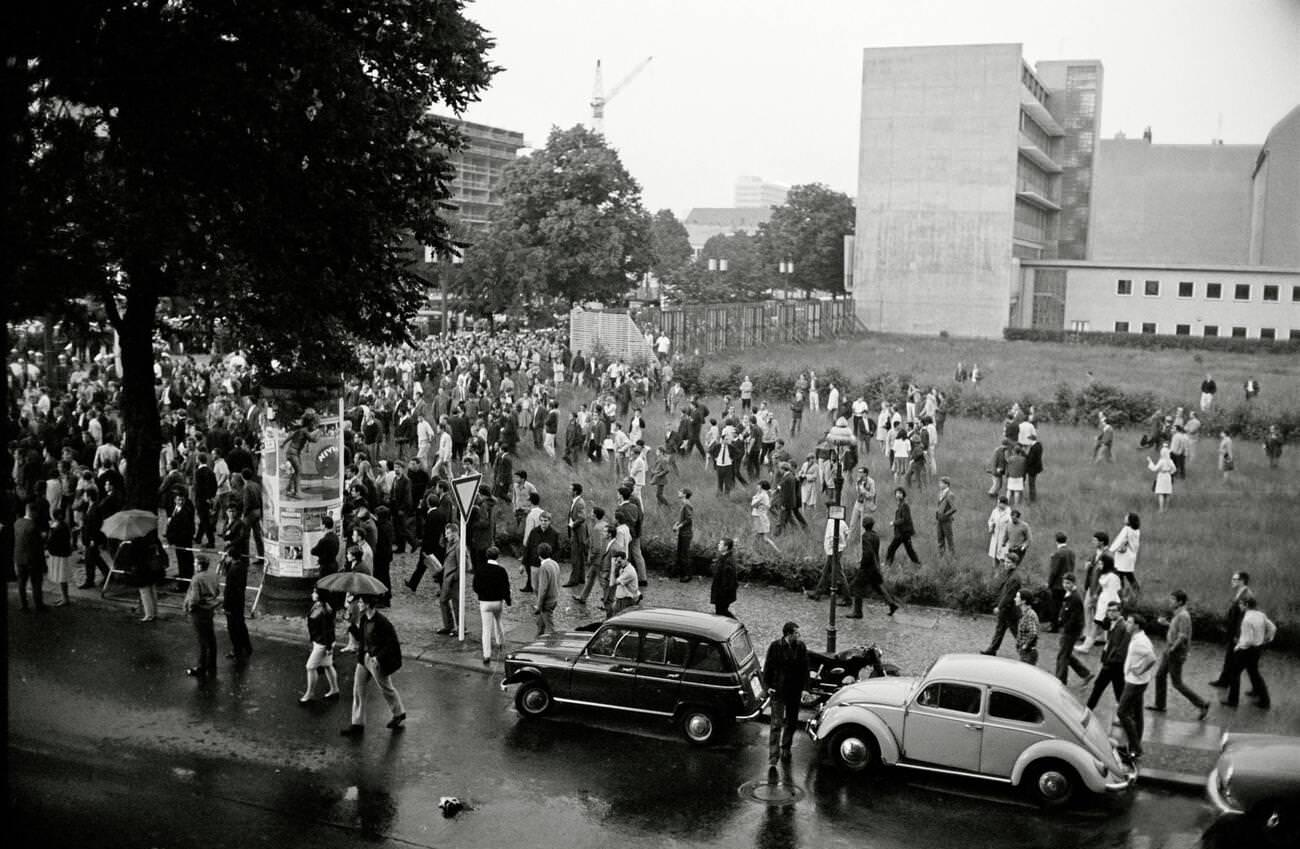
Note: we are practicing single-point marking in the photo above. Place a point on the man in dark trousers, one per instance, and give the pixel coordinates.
(1232, 624)
(685, 528)
(577, 538)
(433, 544)
(1070, 623)
(722, 594)
(1006, 609)
(785, 672)
(180, 535)
(29, 557)
(1111, 670)
(326, 549)
(1060, 565)
(201, 602)
(868, 577)
(1033, 467)
(379, 656)
(205, 490)
(241, 647)
(253, 509)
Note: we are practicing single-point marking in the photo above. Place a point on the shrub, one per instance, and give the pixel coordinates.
(1155, 341)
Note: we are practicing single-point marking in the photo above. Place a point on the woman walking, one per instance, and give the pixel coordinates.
(759, 514)
(1108, 587)
(321, 622)
(1164, 483)
(1124, 548)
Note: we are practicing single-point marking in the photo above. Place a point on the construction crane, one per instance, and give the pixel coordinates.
(599, 98)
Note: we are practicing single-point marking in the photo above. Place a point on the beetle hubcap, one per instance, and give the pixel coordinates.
(853, 751)
(699, 726)
(1053, 785)
(535, 699)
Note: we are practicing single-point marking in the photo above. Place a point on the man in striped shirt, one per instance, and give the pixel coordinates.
(1178, 643)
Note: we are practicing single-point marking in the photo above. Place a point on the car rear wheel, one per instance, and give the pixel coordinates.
(699, 725)
(854, 749)
(533, 699)
(1051, 783)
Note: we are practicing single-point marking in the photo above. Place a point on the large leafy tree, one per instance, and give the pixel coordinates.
(809, 230)
(264, 160)
(742, 280)
(670, 245)
(571, 226)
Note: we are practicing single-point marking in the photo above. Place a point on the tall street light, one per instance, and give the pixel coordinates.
(840, 437)
(785, 268)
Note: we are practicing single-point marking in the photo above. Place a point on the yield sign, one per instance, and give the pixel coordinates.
(466, 490)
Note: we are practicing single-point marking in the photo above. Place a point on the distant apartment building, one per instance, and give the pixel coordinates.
(754, 192)
(987, 200)
(703, 223)
(479, 168)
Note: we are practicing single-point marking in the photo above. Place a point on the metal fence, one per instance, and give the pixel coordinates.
(708, 328)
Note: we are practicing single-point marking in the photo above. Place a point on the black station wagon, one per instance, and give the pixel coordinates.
(695, 669)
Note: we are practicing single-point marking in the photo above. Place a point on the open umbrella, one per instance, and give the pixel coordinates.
(130, 524)
(357, 583)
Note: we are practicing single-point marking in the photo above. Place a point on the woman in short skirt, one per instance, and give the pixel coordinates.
(320, 627)
(59, 548)
(759, 518)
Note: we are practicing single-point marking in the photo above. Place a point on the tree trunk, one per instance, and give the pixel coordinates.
(141, 429)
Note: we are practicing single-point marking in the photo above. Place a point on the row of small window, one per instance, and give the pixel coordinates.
(1209, 330)
(1213, 291)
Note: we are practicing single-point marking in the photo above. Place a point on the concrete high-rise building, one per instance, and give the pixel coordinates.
(753, 192)
(969, 162)
(479, 168)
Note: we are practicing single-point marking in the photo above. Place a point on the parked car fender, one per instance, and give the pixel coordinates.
(841, 715)
(524, 673)
(1078, 758)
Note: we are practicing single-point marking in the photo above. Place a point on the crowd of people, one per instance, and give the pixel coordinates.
(418, 416)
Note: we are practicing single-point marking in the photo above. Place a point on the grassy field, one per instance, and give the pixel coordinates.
(1036, 368)
(1211, 529)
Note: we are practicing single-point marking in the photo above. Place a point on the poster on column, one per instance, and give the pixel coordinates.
(303, 483)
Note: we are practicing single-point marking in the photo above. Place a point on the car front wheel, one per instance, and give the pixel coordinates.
(854, 749)
(533, 699)
(1051, 783)
(699, 725)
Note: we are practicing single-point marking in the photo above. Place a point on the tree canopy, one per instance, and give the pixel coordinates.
(809, 230)
(743, 280)
(263, 160)
(670, 245)
(571, 226)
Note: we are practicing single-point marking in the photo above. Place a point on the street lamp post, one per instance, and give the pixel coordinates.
(840, 438)
(786, 268)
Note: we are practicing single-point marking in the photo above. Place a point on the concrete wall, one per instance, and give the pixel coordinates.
(1092, 297)
(936, 188)
(1275, 219)
(1183, 204)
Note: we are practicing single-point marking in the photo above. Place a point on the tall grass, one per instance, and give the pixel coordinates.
(1211, 529)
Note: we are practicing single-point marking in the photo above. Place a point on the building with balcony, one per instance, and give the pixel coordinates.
(970, 161)
(480, 165)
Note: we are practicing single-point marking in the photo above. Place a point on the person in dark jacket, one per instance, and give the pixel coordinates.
(236, 561)
(433, 544)
(785, 672)
(722, 594)
(181, 527)
(201, 601)
(542, 533)
(1005, 609)
(383, 552)
(1070, 623)
(869, 577)
(904, 530)
(326, 549)
(492, 586)
(1113, 655)
(1060, 565)
(205, 490)
(379, 656)
(321, 629)
(1033, 467)
(29, 557)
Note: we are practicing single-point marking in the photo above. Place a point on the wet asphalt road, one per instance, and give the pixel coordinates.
(111, 745)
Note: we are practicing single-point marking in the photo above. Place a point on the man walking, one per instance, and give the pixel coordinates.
(548, 591)
(1139, 668)
(492, 586)
(1256, 632)
(1178, 642)
(1069, 622)
(379, 656)
(785, 672)
(1232, 622)
(241, 647)
(944, 514)
(685, 528)
(577, 537)
(29, 557)
(1060, 565)
(1006, 608)
(1113, 655)
(869, 577)
(201, 602)
(1026, 631)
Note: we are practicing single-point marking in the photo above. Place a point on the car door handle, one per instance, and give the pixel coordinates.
(623, 669)
(673, 675)
(974, 726)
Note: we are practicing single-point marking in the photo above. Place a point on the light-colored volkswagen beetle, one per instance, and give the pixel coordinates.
(971, 715)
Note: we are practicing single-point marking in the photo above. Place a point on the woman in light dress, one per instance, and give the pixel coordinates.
(759, 518)
(1227, 460)
(1164, 484)
(810, 476)
(1108, 586)
(999, 521)
(1124, 548)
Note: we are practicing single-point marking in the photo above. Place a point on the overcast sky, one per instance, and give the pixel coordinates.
(772, 87)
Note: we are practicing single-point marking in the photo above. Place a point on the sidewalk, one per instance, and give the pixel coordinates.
(1179, 750)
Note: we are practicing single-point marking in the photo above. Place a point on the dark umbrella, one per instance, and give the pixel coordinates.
(357, 583)
(130, 524)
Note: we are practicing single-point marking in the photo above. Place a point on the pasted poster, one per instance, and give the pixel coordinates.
(303, 485)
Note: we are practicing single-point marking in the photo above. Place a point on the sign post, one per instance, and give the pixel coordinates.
(465, 489)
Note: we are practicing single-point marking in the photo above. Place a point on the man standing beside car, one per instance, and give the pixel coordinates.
(1139, 669)
(785, 672)
(1026, 630)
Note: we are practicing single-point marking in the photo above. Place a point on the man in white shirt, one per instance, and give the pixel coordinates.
(1256, 632)
(1139, 668)
(662, 345)
(637, 470)
(424, 437)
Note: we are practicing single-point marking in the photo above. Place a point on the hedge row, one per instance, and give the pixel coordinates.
(1156, 341)
(1067, 405)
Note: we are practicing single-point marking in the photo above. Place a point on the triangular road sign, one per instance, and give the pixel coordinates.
(466, 490)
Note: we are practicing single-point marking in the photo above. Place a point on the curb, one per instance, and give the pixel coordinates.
(1182, 781)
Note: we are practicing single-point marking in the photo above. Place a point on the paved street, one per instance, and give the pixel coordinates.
(111, 745)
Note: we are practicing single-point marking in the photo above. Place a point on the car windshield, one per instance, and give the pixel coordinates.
(741, 649)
